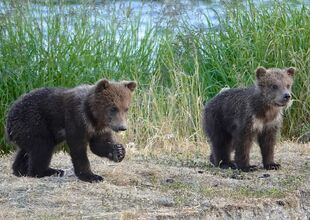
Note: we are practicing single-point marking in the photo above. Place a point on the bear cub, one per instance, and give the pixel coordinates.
(234, 118)
(81, 116)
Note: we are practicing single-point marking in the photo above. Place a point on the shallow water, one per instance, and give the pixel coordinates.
(200, 15)
(163, 13)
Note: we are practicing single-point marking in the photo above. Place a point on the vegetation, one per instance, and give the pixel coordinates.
(177, 67)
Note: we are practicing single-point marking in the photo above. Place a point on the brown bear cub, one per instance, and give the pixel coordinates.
(81, 116)
(234, 118)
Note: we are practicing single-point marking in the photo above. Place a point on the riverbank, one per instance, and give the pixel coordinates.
(162, 185)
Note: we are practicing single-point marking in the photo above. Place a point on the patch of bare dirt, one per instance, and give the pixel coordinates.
(162, 186)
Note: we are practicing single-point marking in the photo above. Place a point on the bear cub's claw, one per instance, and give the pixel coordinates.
(272, 166)
(50, 172)
(250, 168)
(228, 165)
(118, 153)
(59, 172)
(92, 178)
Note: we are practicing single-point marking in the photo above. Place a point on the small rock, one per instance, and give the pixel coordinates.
(200, 171)
(169, 180)
(265, 175)
(236, 176)
(168, 202)
(206, 204)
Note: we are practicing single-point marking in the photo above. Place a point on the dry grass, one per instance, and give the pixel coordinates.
(162, 183)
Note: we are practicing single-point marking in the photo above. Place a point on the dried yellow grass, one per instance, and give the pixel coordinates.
(162, 181)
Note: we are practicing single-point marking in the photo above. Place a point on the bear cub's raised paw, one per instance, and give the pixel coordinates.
(118, 153)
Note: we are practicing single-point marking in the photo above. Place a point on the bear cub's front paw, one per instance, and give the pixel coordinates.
(90, 177)
(250, 168)
(228, 165)
(118, 153)
(272, 166)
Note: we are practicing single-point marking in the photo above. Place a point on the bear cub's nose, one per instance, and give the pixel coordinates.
(122, 128)
(286, 96)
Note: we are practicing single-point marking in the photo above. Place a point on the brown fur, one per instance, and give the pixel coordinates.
(84, 115)
(236, 117)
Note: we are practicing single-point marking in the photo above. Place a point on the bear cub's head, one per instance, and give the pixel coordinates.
(275, 85)
(111, 102)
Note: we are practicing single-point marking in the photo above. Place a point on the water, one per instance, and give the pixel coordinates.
(200, 15)
(162, 14)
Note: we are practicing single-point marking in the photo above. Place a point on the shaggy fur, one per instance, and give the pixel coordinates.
(87, 114)
(236, 117)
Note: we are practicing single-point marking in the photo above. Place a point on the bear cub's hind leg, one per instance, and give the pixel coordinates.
(40, 156)
(20, 165)
(35, 163)
(221, 151)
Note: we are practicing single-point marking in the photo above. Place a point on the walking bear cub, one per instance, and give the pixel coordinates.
(81, 116)
(235, 117)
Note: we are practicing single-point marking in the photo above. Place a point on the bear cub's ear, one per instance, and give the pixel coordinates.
(131, 85)
(291, 71)
(101, 85)
(260, 72)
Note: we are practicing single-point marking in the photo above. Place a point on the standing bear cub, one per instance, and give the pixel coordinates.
(81, 116)
(235, 117)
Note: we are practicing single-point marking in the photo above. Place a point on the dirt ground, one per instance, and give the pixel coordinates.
(162, 186)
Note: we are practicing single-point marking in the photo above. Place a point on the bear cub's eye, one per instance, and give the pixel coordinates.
(288, 86)
(274, 87)
(114, 110)
(126, 109)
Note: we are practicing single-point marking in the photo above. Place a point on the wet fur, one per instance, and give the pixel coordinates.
(236, 117)
(81, 116)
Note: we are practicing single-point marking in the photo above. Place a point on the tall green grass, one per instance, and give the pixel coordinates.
(177, 68)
